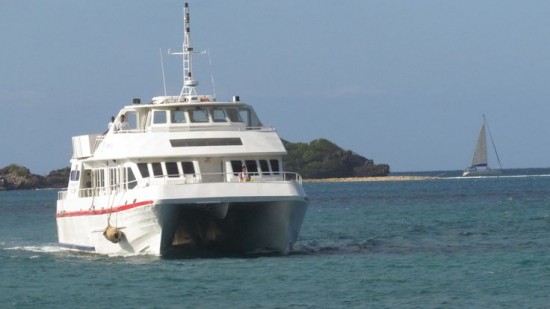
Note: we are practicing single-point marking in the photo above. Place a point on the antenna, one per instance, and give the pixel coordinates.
(189, 83)
(162, 67)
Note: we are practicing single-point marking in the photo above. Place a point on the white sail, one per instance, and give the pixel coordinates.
(480, 154)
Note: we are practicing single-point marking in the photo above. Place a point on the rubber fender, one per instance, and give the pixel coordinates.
(113, 234)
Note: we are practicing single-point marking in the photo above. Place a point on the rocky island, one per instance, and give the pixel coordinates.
(16, 177)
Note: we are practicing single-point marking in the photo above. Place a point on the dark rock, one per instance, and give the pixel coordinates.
(323, 159)
(16, 177)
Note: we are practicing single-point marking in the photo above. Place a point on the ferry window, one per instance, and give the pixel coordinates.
(251, 166)
(274, 166)
(159, 117)
(236, 166)
(143, 170)
(219, 115)
(245, 115)
(100, 178)
(157, 169)
(172, 169)
(177, 116)
(131, 178)
(188, 168)
(198, 115)
(265, 167)
(112, 177)
(75, 175)
(233, 115)
(87, 178)
(131, 118)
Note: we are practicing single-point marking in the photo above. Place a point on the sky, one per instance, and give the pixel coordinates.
(400, 82)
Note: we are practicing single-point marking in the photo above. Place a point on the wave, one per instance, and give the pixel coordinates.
(336, 249)
(37, 249)
(495, 177)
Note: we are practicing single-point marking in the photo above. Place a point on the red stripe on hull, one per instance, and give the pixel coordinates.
(102, 211)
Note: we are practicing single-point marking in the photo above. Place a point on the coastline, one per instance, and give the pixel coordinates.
(364, 179)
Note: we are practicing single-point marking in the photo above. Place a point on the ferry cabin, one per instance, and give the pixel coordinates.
(198, 141)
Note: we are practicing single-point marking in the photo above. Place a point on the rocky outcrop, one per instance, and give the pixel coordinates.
(16, 177)
(321, 159)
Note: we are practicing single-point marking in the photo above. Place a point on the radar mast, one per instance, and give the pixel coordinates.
(189, 84)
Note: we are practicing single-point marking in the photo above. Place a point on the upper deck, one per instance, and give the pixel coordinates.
(190, 128)
(167, 114)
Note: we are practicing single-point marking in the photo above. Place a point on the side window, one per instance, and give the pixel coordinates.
(87, 178)
(218, 115)
(75, 175)
(131, 118)
(159, 117)
(264, 167)
(144, 171)
(177, 116)
(100, 178)
(132, 183)
(198, 115)
(236, 166)
(245, 116)
(157, 169)
(113, 177)
(188, 168)
(274, 166)
(233, 115)
(251, 166)
(172, 169)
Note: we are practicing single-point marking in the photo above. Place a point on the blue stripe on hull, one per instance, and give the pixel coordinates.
(77, 247)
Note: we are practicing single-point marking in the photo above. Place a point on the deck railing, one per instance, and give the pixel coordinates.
(200, 127)
(180, 179)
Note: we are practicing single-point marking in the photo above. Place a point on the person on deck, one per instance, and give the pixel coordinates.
(122, 124)
(110, 124)
(243, 175)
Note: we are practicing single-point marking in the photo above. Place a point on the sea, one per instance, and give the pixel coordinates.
(449, 242)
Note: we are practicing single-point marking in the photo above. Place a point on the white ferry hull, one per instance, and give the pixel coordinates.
(164, 224)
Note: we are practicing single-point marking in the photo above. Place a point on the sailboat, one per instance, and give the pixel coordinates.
(479, 165)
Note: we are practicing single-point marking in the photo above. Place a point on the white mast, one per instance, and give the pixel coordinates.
(189, 83)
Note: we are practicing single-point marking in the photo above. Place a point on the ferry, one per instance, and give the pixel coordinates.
(180, 175)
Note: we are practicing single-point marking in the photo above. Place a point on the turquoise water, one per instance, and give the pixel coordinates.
(446, 243)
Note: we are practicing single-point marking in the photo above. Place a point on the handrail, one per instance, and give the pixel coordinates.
(186, 179)
(223, 178)
(194, 127)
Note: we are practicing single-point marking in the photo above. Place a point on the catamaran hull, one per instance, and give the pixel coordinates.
(246, 228)
(172, 226)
